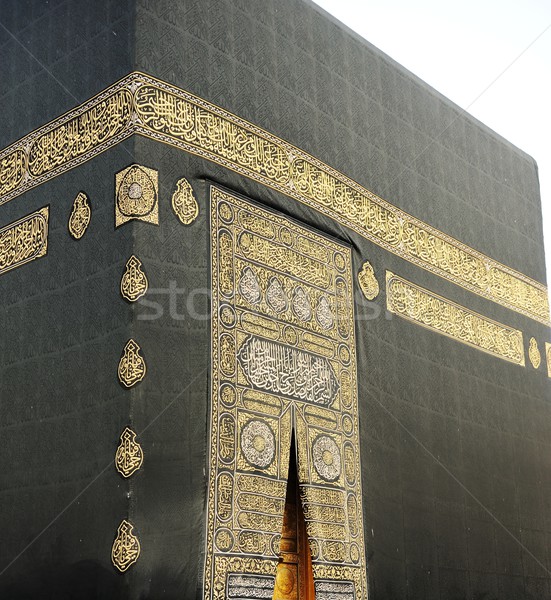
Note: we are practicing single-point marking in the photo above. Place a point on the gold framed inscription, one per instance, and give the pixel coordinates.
(283, 363)
(141, 104)
(425, 308)
(24, 241)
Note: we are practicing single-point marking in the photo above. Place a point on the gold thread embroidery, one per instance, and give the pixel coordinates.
(101, 122)
(142, 104)
(24, 241)
(13, 168)
(132, 368)
(534, 353)
(283, 352)
(129, 455)
(548, 358)
(368, 282)
(81, 214)
(136, 195)
(134, 282)
(126, 547)
(184, 204)
(439, 314)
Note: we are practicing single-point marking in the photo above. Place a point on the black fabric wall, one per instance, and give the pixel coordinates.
(455, 443)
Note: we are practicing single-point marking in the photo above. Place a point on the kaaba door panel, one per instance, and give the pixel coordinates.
(283, 353)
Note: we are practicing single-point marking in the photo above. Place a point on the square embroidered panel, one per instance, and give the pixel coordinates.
(284, 368)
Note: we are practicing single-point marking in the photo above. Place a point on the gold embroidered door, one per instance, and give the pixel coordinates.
(294, 577)
(283, 352)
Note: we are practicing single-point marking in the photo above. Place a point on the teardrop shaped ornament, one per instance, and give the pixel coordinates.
(134, 282)
(184, 204)
(80, 217)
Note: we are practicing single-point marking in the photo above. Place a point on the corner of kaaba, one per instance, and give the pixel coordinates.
(273, 316)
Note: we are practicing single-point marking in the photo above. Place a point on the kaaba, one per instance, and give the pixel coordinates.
(274, 321)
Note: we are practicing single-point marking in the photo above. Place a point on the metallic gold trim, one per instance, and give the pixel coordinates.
(134, 282)
(81, 214)
(132, 368)
(129, 455)
(24, 241)
(136, 195)
(368, 282)
(534, 353)
(184, 204)
(548, 358)
(142, 104)
(283, 359)
(439, 314)
(126, 547)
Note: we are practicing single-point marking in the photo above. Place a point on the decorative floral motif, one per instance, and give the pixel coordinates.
(258, 444)
(184, 204)
(80, 216)
(249, 286)
(275, 296)
(134, 282)
(327, 458)
(129, 455)
(301, 305)
(126, 547)
(368, 282)
(132, 367)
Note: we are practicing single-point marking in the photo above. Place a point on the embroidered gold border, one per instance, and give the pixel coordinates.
(24, 241)
(434, 312)
(282, 301)
(140, 104)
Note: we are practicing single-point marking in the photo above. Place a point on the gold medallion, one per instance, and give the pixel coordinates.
(134, 282)
(136, 195)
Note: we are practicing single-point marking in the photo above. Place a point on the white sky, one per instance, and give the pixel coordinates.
(460, 48)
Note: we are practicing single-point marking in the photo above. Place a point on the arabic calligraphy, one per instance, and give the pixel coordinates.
(258, 443)
(81, 214)
(134, 282)
(132, 368)
(284, 370)
(184, 204)
(283, 359)
(129, 455)
(327, 458)
(126, 547)
(136, 195)
(102, 122)
(368, 282)
(24, 241)
(142, 104)
(534, 353)
(423, 307)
